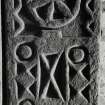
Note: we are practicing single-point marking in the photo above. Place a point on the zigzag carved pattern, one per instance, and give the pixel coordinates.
(90, 10)
(24, 80)
(18, 22)
(50, 80)
(79, 86)
(21, 23)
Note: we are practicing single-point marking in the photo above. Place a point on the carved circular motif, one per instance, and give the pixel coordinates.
(55, 13)
(26, 51)
(76, 54)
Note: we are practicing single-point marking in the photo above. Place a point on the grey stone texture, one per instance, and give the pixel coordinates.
(51, 52)
(102, 57)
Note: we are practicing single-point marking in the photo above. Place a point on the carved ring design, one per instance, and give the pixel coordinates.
(54, 14)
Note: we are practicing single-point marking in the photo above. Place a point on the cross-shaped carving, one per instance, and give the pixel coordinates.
(51, 71)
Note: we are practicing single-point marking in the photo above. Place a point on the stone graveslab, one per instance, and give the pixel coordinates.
(50, 52)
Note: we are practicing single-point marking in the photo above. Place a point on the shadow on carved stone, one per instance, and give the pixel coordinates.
(57, 13)
(70, 3)
(43, 11)
(16, 25)
(91, 5)
(73, 92)
(21, 90)
(31, 24)
(86, 72)
(34, 71)
(33, 87)
(51, 59)
(52, 93)
(86, 93)
(72, 72)
(87, 18)
(60, 75)
(44, 76)
(20, 68)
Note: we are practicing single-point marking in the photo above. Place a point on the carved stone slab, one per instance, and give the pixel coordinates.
(50, 52)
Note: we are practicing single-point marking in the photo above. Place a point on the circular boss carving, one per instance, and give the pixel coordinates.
(54, 13)
(76, 54)
(26, 51)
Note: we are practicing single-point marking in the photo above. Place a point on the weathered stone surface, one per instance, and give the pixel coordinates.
(101, 99)
(50, 52)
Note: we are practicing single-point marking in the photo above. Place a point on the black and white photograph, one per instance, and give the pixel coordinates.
(52, 52)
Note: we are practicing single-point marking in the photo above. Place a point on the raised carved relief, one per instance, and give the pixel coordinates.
(61, 76)
(56, 13)
(26, 51)
(18, 22)
(34, 16)
(52, 52)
